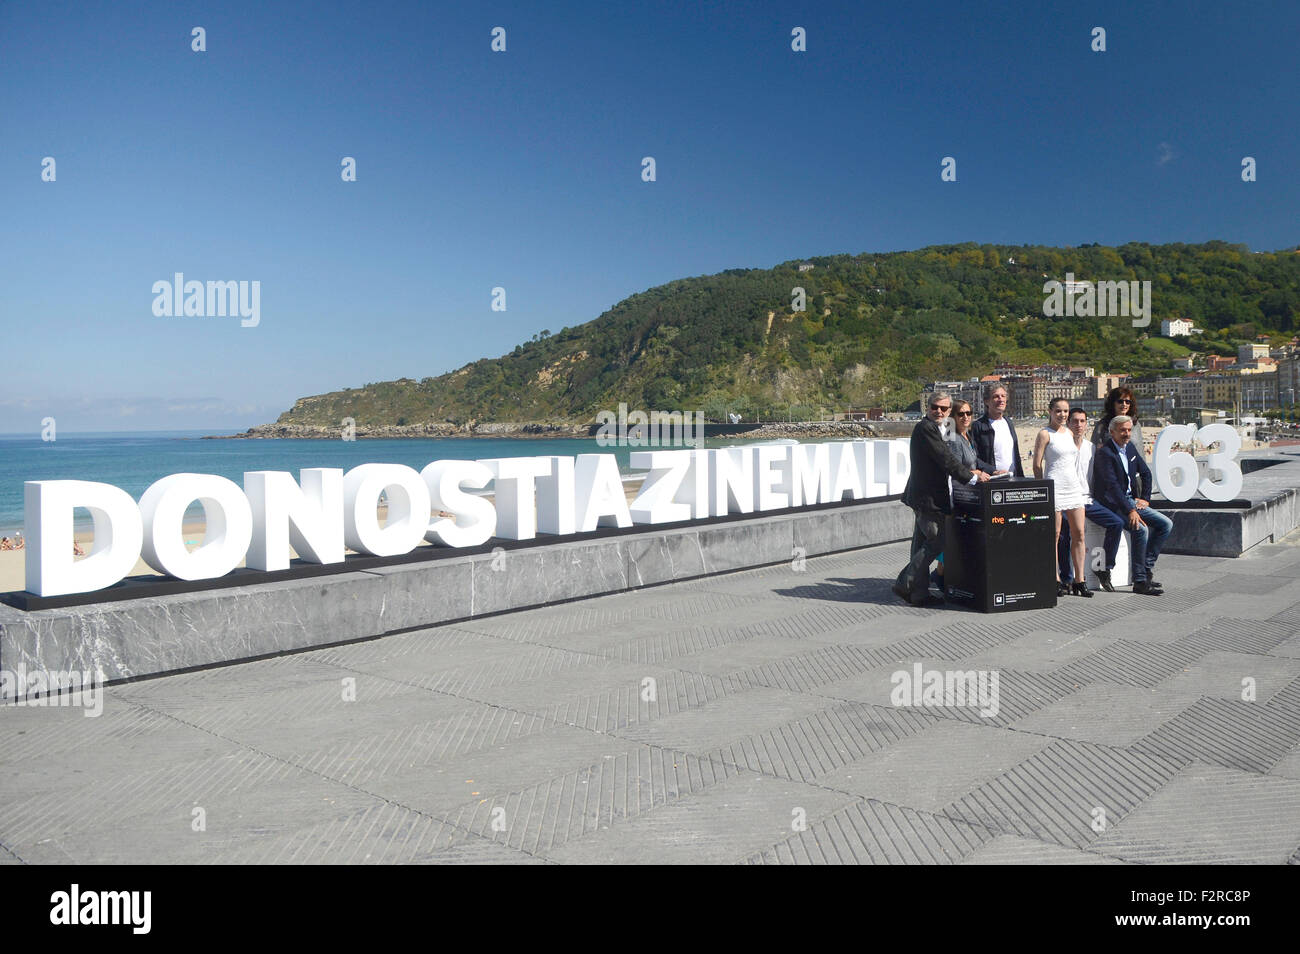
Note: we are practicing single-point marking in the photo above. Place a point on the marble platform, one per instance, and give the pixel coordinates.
(143, 637)
(128, 639)
(1267, 509)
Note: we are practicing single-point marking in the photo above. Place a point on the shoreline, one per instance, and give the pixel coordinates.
(515, 431)
(547, 431)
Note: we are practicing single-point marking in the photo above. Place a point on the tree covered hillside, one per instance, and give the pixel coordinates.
(874, 328)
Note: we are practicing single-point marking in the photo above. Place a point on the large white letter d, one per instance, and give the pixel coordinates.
(51, 570)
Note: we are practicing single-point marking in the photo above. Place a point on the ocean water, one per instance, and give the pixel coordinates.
(132, 461)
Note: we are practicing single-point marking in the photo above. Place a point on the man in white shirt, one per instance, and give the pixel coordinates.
(997, 450)
(1109, 521)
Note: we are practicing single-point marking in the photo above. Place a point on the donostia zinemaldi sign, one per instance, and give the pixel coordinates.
(326, 509)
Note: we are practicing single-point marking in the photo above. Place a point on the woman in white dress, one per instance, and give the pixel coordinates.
(1056, 458)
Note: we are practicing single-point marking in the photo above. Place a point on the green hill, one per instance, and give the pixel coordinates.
(874, 328)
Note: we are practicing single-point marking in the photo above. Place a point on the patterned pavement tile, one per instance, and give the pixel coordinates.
(721, 824)
(930, 768)
(1014, 850)
(876, 833)
(1107, 714)
(1062, 792)
(1235, 734)
(1228, 675)
(1209, 814)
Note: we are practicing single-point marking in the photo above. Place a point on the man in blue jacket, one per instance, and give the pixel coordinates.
(1119, 479)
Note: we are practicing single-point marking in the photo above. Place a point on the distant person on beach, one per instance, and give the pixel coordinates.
(5, 544)
(1119, 401)
(933, 462)
(997, 450)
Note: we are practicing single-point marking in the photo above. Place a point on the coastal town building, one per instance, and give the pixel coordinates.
(1259, 390)
(1172, 327)
(970, 390)
(1030, 388)
(1288, 380)
(1257, 365)
(1198, 389)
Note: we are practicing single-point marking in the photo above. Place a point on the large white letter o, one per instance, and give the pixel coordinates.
(408, 509)
(228, 517)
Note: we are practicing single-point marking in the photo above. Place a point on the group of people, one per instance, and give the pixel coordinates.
(1104, 479)
(18, 543)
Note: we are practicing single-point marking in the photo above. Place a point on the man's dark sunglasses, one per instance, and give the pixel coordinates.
(940, 407)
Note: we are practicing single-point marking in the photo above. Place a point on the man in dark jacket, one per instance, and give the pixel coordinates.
(933, 462)
(1119, 473)
(997, 450)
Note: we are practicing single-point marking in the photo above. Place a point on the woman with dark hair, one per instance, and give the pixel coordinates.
(1119, 401)
(1056, 458)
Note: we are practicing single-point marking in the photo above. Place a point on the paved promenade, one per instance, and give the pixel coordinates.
(739, 718)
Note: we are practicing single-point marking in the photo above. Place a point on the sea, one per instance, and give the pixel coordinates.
(134, 460)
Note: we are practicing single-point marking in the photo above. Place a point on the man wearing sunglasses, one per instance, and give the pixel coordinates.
(933, 462)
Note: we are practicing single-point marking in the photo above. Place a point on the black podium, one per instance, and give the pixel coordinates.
(1000, 551)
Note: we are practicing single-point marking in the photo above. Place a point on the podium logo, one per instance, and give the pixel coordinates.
(946, 689)
(997, 496)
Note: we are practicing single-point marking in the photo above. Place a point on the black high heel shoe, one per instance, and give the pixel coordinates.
(1062, 588)
(1081, 589)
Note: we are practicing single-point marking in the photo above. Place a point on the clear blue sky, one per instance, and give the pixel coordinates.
(522, 169)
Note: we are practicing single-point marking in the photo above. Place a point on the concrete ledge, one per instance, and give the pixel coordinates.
(148, 636)
(1272, 511)
(153, 635)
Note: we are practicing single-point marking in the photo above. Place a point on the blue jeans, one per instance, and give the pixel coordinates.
(1147, 540)
(1108, 521)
